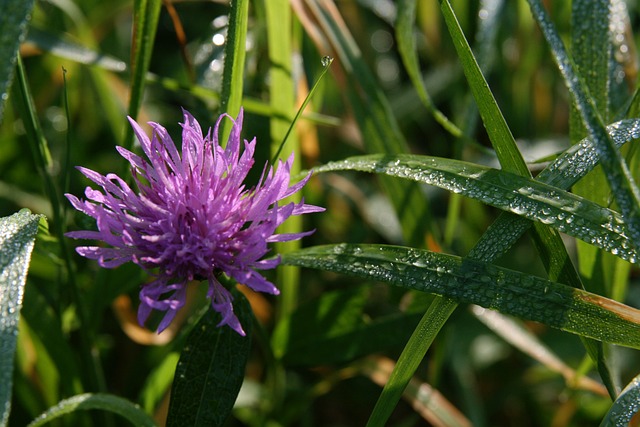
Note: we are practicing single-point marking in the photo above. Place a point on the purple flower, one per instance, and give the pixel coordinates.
(191, 218)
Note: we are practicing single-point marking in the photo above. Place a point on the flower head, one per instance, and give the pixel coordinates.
(191, 217)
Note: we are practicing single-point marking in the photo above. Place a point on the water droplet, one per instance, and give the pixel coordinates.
(326, 61)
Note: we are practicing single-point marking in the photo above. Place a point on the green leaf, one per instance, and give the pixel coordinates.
(17, 237)
(433, 320)
(623, 187)
(563, 172)
(234, 58)
(591, 48)
(101, 401)
(211, 369)
(146, 14)
(625, 407)
(282, 101)
(14, 17)
(470, 281)
(564, 211)
(499, 133)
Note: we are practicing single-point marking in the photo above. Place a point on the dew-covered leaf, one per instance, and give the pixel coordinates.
(623, 187)
(566, 212)
(470, 281)
(14, 16)
(211, 369)
(101, 401)
(625, 407)
(17, 237)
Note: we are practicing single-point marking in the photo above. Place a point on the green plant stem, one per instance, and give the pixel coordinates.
(39, 148)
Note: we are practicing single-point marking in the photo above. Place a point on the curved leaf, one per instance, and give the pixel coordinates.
(566, 212)
(469, 281)
(211, 369)
(625, 407)
(102, 401)
(17, 237)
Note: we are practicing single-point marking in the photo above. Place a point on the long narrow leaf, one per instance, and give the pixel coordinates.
(234, 54)
(101, 401)
(14, 17)
(413, 353)
(210, 371)
(282, 100)
(146, 16)
(625, 408)
(566, 212)
(17, 237)
(499, 133)
(469, 281)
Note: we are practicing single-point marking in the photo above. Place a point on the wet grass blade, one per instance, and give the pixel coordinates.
(624, 409)
(14, 18)
(470, 281)
(536, 201)
(623, 187)
(100, 401)
(17, 238)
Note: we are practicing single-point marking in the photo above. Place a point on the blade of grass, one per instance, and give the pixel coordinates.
(17, 238)
(591, 44)
(14, 19)
(282, 102)
(425, 400)
(548, 242)
(624, 410)
(146, 14)
(234, 59)
(326, 63)
(40, 151)
(561, 210)
(478, 282)
(101, 401)
(423, 335)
